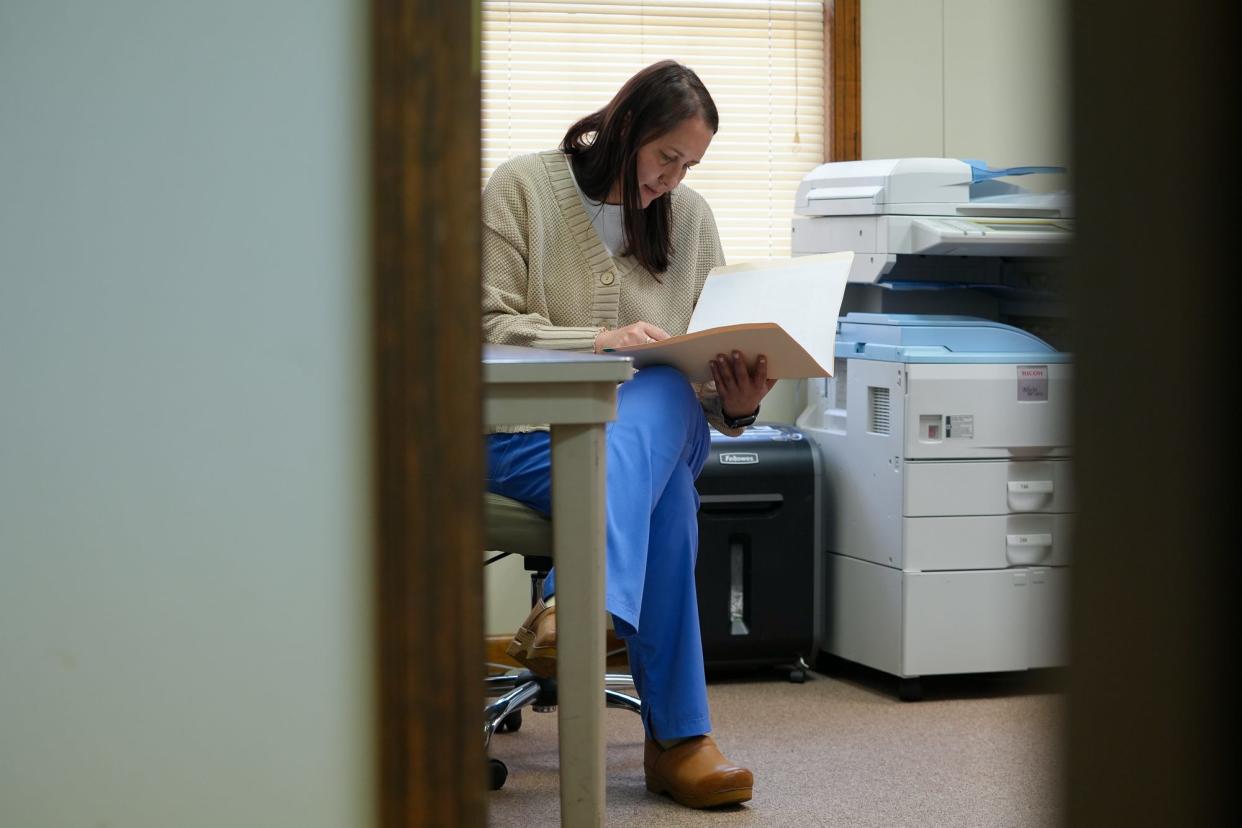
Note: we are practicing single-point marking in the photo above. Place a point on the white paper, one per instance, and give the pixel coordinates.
(802, 294)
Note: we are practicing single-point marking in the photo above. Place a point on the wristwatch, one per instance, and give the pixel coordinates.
(739, 422)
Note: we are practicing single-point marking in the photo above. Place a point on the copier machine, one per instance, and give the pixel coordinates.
(906, 215)
(945, 437)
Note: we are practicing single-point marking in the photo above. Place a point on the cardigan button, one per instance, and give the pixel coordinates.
(606, 279)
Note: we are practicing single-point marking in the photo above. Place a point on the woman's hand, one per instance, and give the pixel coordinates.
(640, 333)
(740, 390)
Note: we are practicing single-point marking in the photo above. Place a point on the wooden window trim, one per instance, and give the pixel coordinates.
(842, 81)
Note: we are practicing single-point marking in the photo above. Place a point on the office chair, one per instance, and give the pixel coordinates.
(512, 528)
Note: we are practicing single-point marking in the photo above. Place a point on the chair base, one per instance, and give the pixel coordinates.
(525, 689)
(522, 688)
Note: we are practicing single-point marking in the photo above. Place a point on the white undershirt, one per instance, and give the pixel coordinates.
(606, 218)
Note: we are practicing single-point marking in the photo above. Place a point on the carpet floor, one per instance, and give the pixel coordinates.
(837, 750)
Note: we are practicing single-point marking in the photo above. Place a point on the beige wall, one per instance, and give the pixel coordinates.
(983, 79)
(508, 596)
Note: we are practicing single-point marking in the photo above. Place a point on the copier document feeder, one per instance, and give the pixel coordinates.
(921, 209)
(945, 443)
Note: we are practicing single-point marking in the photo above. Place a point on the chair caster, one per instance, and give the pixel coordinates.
(511, 723)
(497, 773)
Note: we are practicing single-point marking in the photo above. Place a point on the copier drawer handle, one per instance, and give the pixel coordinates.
(1027, 549)
(1029, 495)
(1030, 486)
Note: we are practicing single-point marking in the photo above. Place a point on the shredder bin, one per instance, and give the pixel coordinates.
(757, 571)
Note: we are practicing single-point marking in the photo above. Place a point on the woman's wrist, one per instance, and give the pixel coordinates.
(724, 412)
(740, 421)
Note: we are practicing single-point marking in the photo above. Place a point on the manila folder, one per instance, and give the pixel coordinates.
(785, 309)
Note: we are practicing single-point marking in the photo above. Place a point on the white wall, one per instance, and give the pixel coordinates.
(985, 79)
(184, 530)
(507, 588)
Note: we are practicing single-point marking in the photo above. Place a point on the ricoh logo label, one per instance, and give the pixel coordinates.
(1032, 383)
(738, 458)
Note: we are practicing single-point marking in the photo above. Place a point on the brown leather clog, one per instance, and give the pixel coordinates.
(696, 774)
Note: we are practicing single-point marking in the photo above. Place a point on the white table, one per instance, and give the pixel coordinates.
(576, 394)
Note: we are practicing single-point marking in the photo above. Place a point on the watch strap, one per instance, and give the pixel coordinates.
(739, 422)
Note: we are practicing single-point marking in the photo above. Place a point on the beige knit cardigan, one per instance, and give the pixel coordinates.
(549, 282)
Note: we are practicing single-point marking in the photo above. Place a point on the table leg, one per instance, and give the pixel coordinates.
(578, 543)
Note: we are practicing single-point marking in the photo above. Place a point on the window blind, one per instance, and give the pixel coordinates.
(546, 64)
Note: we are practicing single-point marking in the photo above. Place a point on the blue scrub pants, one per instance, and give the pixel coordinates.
(655, 449)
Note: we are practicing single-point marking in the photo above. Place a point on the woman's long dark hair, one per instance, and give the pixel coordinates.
(603, 148)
